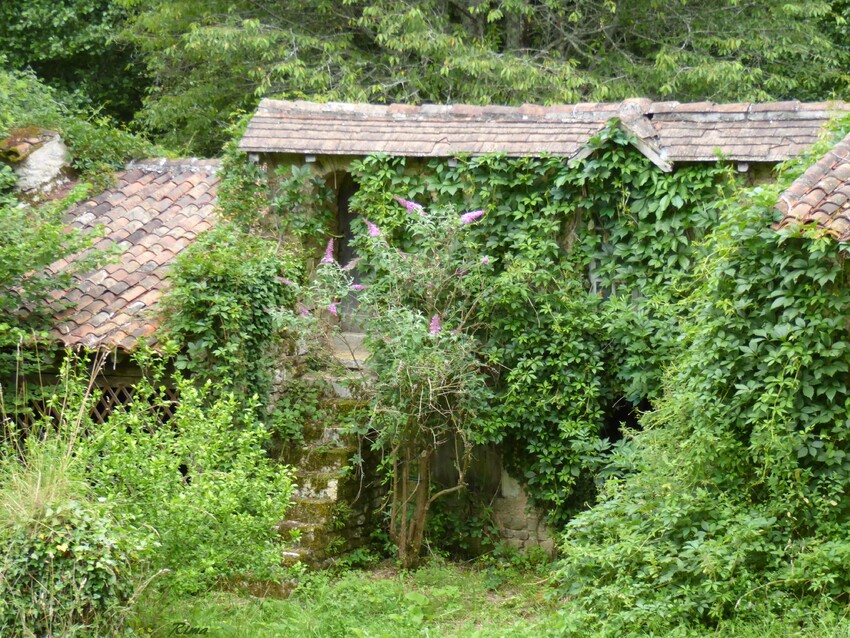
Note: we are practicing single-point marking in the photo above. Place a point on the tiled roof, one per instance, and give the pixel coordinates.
(152, 214)
(822, 194)
(675, 132)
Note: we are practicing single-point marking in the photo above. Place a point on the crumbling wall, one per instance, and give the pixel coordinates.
(521, 526)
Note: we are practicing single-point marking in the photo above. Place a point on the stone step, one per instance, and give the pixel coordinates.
(311, 510)
(318, 458)
(312, 536)
(348, 349)
(316, 486)
(321, 434)
(296, 555)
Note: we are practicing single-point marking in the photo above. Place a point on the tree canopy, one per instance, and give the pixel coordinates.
(198, 62)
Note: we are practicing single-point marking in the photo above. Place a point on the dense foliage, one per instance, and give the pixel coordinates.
(163, 497)
(584, 294)
(74, 46)
(201, 482)
(734, 499)
(96, 144)
(220, 309)
(67, 561)
(578, 312)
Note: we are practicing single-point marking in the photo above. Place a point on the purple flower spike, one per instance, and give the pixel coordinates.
(285, 281)
(329, 253)
(436, 325)
(332, 309)
(410, 206)
(374, 231)
(352, 263)
(471, 216)
(485, 260)
(357, 287)
(304, 311)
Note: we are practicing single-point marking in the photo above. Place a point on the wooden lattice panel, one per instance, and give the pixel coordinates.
(111, 398)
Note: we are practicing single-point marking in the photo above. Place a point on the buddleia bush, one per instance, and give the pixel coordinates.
(734, 499)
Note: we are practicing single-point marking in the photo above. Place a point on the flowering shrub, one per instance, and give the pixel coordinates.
(582, 266)
(421, 331)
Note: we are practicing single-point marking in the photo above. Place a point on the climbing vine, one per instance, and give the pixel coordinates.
(579, 311)
(734, 499)
(579, 316)
(222, 313)
(221, 307)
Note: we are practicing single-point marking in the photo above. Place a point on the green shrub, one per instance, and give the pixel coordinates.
(67, 566)
(221, 307)
(201, 482)
(97, 144)
(733, 502)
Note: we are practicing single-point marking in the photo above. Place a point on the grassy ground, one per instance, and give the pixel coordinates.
(438, 600)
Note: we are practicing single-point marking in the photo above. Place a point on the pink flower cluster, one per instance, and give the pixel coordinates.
(471, 216)
(329, 253)
(357, 287)
(410, 206)
(352, 263)
(374, 231)
(436, 325)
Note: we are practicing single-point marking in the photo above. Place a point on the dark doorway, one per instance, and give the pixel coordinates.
(346, 251)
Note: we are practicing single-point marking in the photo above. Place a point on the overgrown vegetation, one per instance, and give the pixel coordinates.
(665, 371)
(97, 145)
(97, 515)
(220, 309)
(577, 309)
(438, 599)
(180, 69)
(733, 501)
(34, 236)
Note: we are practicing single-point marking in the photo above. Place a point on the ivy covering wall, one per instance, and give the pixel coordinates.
(577, 314)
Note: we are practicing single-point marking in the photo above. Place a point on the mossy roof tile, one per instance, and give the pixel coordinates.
(116, 303)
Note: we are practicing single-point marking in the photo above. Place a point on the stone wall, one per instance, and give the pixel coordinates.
(338, 506)
(520, 525)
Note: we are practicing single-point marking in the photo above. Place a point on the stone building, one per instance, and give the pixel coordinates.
(328, 137)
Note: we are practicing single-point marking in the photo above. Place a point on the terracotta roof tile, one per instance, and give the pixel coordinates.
(699, 131)
(821, 195)
(115, 304)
